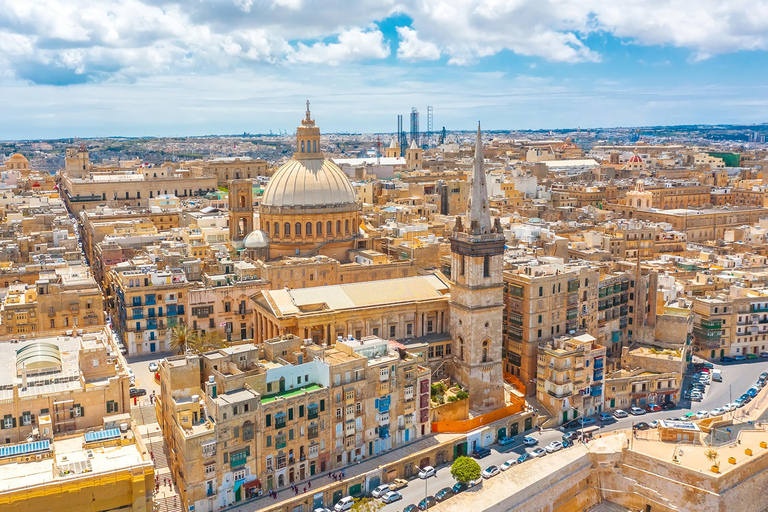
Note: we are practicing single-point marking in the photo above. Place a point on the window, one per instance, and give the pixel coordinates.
(297, 227)
(431, 352)
(277, 228)
(375, 331)
(409, 329)
(359, 407)
(439, 351)
(430, 325)
(26, 418)
(338, 227)
(287, 229)
(346, 226)
(9, 421)
(541, 291)
(338, 413)
(487, 266)
(392, 331)
(77, 411)
(111, 406)
(329, 228)
(308, 230)
(210, 469)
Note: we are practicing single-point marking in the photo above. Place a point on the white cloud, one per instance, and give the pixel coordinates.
(353, 45)
(412, 48)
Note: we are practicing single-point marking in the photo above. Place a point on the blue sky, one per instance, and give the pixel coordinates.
(191, 67)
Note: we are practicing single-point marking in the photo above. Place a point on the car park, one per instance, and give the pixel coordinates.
(641, 426)
(554, 446)
(653, 407)
(637, 411)
(620, 413)
(391, 497)
(427, 503)
(443, 494)
(480, 452)
(491, 471)
(398, 483)
(538, 452)
(380, 491)
(524, 457)
(504, 441)
(530, 441)
(604, 416)
(508, 464)
(427, 472)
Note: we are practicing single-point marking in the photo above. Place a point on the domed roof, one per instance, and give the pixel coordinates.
(256, 240)
(636, 158)
(313, 183)
(18, 157)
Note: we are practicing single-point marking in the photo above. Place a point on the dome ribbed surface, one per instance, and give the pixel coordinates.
(308, 183)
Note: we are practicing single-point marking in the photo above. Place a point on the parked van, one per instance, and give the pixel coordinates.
(344, 504)
(717, 375)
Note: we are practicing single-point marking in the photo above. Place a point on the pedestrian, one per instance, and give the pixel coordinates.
(342, 473)
(296, 491)
(305, 488)
(309, 484)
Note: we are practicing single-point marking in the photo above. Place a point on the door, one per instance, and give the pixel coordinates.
(373, 483)
(528, 423)
(239, 494)
(613, 403)
(722, 352)
(152, 347)
(513, 429)
(502, 433)
(337, 496)
(282, 384)
(312, 469)
(356, 489)
(565, 416)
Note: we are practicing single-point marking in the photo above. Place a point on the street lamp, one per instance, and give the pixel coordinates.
(426, 482)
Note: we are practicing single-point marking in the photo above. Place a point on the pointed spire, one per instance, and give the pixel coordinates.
(478, 215)
(413, 144)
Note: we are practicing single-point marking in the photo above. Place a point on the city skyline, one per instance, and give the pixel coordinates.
(150, 67)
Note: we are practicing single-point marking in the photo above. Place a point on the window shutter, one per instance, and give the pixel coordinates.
(247, 451)
(14, 422)
(72, 413)
(82, 412)
(290, 414)
(301, 411)
(33, 419)
(269, 420)
(2, 424)
(322, 405)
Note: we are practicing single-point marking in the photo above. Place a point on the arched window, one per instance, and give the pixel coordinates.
(302, 146)
(485, 351)
(346, 226)
(277, 229)
(287, 229)
(461, 348)
(329, 228)
(487, 267)
(308, 230)
(267, 227)
(298, 229)
(242, 200)
(319, 228)
(338, 227)
(314, 146)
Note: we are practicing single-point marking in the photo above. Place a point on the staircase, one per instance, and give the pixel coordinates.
(167, 497)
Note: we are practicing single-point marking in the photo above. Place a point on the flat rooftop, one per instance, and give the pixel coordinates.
(291, 393)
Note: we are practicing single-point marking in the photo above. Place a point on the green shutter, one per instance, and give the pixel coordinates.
(268, 420)
(247, 451)
(14, 422)
(301, 411)
(269, 440)
(290, 414)
(226, 457)
(322, 405)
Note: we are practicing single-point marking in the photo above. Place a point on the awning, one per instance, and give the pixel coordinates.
(252, 483)
(238, 484)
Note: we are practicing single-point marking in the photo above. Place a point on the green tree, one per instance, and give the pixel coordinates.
(182, 338)
(367, 505)
(208, 341)
(465, 469)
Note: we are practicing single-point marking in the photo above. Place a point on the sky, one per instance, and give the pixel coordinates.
(89, 68)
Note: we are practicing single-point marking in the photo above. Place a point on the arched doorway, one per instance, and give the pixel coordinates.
(282, 384)
(280, 480)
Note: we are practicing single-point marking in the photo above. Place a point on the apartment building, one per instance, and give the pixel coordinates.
(645, 376)
(569, 379)
(613, 312)
(146, 302)
(543, 302)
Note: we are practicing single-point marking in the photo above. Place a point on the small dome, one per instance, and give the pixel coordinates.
(635, 158)
(308, 183)
(256, 240)
(18, 157)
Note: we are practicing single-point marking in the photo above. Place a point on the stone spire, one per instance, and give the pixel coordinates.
(478, 216)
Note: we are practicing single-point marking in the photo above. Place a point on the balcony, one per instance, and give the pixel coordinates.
(758, 308)
(279, 423)
(149, 300)
(711, 324)
(562, 394)
(706, 334)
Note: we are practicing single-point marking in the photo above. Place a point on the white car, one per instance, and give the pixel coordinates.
(554, 446)
(538, 452)
(654, 423)
(491, 471)
(729, 407)
(637, 411)
(380, 491)
(619, 413)
(427, 472)
(153, 367)
(344, 504)
(391, 497)
(717, 412)
(701, 415)
(508, 464)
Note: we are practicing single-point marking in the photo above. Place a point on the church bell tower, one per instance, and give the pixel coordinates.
(477, 303)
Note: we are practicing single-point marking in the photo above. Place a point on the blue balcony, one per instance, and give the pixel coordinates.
(136, 301)
(171, 310)
(138, 314)
(152, 323)
(596, 391)
(149, 300)
(599, 363)
(598, 375)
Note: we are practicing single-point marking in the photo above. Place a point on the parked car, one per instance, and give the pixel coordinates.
(491, 471)
(729, 407)
(459, 487)
(653, 407)
(654, 424)
(391, 497)
(554, 446)
(688, 416)
(427, 502)
(570, 436)
(668, 405)
(322, 509)
(637, 411)
(153, 366)
(764, 375)
(726, 359)
(620, 413)
(752, 392)
(508, 464)
(344, 504)
(427, 472)
(739, 358)
(751, 356)
(411, 508)
(398, 483)
(763, 354)
(717, 412)
(380, 491)
(443, 494)
(524, 457)
(641, 426)
(530, 441)
(566, 444)
(604, 416)
(504, 441)
(480, 452)
(538, 452)
(135, 392)
(702, 415)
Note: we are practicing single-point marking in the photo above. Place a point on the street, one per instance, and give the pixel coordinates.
(144, 378)
(737, 378)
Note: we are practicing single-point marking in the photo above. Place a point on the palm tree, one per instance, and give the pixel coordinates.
(182, 338)
(208, 341)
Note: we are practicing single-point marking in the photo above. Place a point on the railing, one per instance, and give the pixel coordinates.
(517, 405)
(563, 394)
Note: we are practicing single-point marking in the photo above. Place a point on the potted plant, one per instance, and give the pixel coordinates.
(711, 454)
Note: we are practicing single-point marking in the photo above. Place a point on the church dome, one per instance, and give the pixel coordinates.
(256, 240)
(308, 183)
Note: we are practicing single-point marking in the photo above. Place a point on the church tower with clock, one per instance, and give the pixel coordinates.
(477, 303)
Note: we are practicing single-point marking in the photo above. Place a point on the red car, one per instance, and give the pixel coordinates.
(653, 408)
